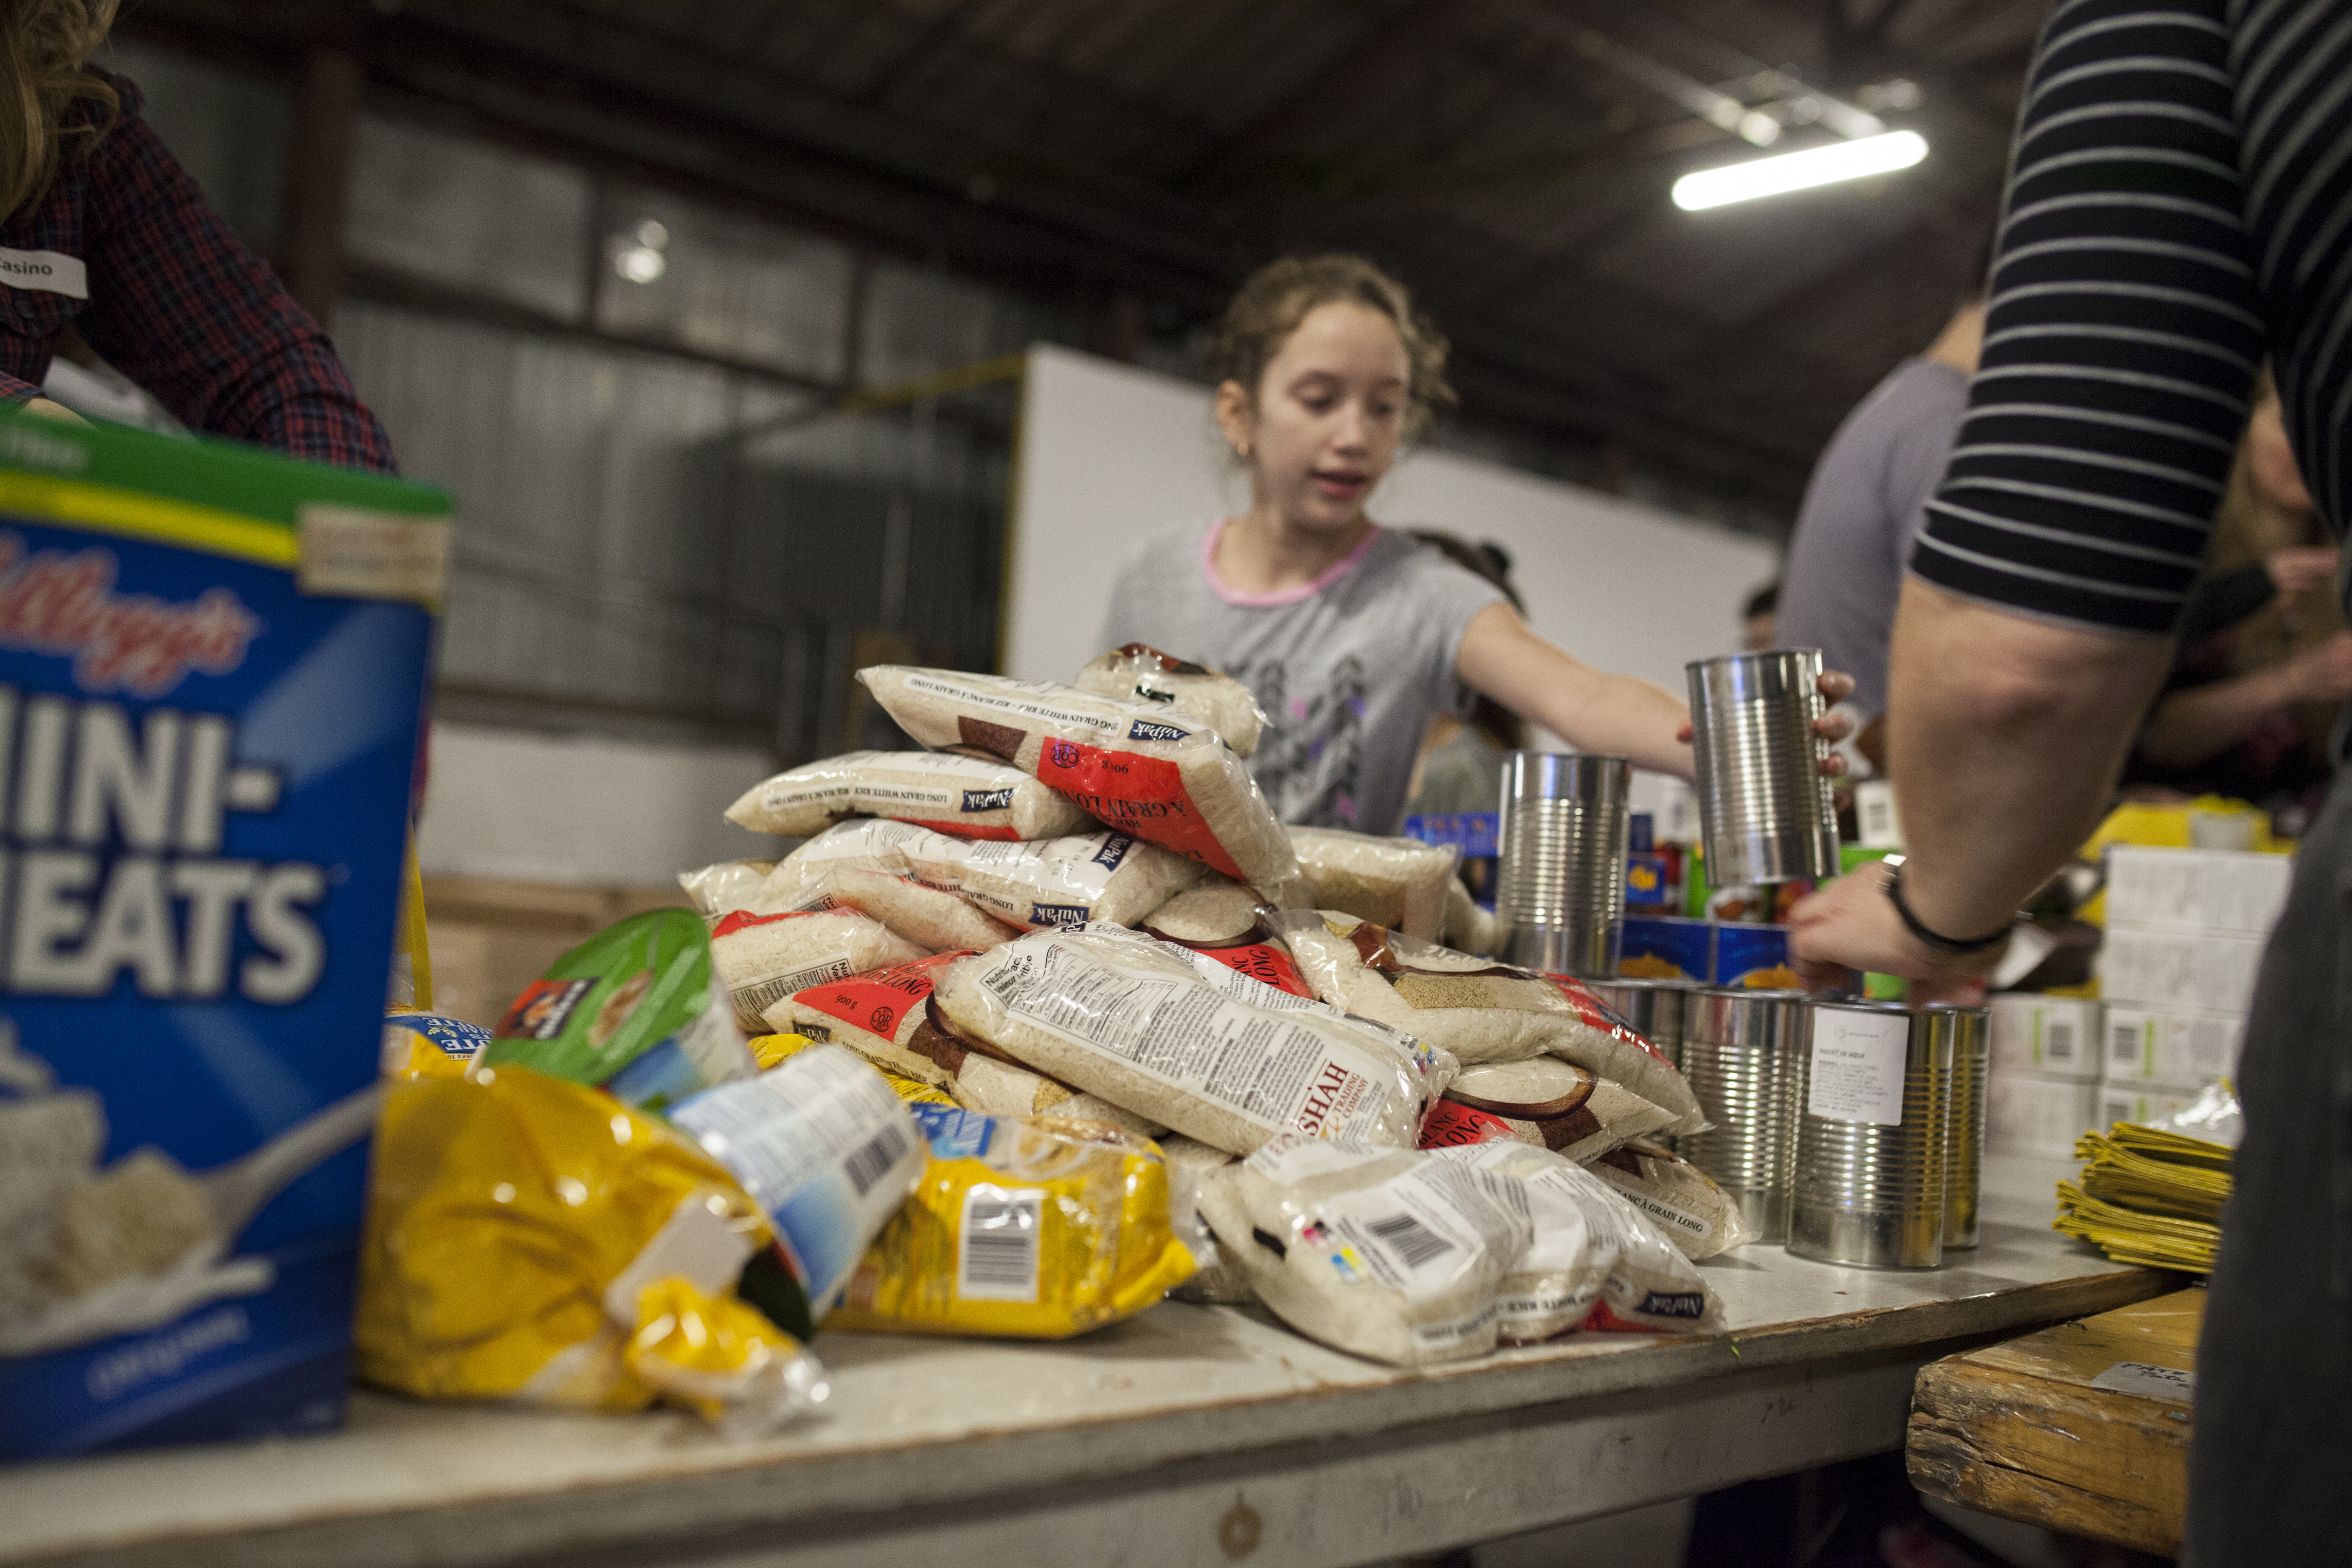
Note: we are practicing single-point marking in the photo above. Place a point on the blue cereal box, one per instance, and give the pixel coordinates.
(1753, 956)
(212, 665)
(1668, 947)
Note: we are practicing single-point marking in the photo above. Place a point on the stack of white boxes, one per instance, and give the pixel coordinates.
(2043, 1092)
(2186, 930)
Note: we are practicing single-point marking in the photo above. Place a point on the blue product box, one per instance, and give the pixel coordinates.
(1668, 947)
(1649, 881)
(1476, 833)
(1751, 955)
(212, 667)
(1638, 833)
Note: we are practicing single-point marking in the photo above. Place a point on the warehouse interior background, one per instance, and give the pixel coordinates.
(709, 314)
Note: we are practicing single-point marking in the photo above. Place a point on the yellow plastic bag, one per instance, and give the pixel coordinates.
(1023, 1226)
(515, 1223)
(721, 1359)
(771, 1049)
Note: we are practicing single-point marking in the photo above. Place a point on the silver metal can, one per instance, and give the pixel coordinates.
(1655, 1010)
(1744, 1057)
(1872, 1136)
(1972, 1030)
(1764, 811)
(1560, 904)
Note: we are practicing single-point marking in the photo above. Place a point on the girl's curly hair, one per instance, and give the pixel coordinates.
(45, 46)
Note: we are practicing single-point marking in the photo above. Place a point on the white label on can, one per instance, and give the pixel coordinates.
(1857, 1069)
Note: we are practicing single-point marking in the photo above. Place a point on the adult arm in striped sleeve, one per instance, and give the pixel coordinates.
(2065, 541)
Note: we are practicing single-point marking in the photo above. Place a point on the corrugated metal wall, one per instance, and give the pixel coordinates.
(659, 532)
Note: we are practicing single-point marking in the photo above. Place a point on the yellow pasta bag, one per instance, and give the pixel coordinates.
(518, 1227)
(770, 1049)
(1021, 1228)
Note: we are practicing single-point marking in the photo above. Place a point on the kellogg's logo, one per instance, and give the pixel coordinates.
(1145, 730)
(989, 799)
(53, 602)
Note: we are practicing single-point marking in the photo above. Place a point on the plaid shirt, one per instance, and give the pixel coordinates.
(180, 306)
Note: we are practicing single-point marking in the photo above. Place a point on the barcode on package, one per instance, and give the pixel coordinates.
(2123, 1044)
(2059, 1040)
(997, 1258)
(874, 1158)
(1414, 1243)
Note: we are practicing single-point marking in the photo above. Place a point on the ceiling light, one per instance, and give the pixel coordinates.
(640, 264)
(1800, 171)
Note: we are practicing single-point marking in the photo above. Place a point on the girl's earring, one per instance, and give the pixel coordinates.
(1241, 450)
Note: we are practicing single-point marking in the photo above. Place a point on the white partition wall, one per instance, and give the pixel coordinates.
(1110, 455)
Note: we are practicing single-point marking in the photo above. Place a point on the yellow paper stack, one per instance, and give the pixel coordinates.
(2149, 1195)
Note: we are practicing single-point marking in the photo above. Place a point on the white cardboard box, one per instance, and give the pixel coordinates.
(2026, 1113)
(2170, 1048)
(2210, 972)
(2055, 1036)
(2139, 1103)
(2195, 890)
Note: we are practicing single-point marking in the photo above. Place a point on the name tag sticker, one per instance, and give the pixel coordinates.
(50, 272)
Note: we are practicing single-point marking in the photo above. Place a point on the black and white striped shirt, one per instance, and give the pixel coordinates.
(2179, 205)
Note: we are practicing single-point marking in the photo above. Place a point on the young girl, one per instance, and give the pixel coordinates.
(1351, 635)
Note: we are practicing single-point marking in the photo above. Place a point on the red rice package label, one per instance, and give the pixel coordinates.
(1477, 1010)
(1230, 924)
(1140, 671)
(948, 792)
(1542, 1101)
(889, 1018)
(1142, 768)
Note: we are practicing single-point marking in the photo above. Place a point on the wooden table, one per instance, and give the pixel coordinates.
(2083, 1427)
(1191, 1435)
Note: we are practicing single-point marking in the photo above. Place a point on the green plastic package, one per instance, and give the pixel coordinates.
(635, 1010)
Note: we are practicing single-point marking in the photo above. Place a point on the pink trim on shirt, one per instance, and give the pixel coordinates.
(1276, 597)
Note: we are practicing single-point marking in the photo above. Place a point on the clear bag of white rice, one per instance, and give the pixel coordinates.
(1543, 1102)
(1139, 766)
(887, 1018)
(951, 791)
(1140, 671)
(1479, 1011)
(1396, 1256)
(1676, 1195)
(1206, 1050)
(1100, 875)
(725, 887)
(1591, 1260)
(762, 959)
(1398, 883)
(931, 918)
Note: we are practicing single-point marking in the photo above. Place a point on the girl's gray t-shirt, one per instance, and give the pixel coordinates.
(1349, 668)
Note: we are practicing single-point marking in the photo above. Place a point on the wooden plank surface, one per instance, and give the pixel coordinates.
(1170, 1422)
(2022, 1429)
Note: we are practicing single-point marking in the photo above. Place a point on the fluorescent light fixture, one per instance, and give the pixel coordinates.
(1800, 171)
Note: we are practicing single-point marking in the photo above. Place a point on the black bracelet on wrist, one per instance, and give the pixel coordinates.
(1953, 947)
